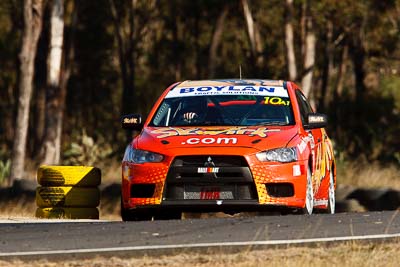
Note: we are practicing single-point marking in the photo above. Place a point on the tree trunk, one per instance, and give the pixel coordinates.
(130, 104)
(325, 95)
(9, 117)
(215, 42)
(254, 35)
(196, 35)
(125, 43)
(33, 12)
(176, 48)
(338, 92)
(341, 74)
(303, 26)
(309, 57)
(357, 52)
(51, 146)
(289, 41)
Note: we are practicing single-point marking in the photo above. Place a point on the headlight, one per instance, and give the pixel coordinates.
(141, 156)
(278, 154)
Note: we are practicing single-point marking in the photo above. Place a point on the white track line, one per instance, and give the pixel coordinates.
(200, 245)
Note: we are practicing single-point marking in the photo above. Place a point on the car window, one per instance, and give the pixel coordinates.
(240, 110)
(304, 106)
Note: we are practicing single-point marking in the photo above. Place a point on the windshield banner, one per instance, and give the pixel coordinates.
(227, 90)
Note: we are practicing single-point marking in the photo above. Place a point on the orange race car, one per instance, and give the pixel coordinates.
(227, 145)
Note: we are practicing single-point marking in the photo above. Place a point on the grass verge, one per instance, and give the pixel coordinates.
(368, 175)
(343, 254)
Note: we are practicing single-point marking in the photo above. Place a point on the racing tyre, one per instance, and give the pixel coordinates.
(67, 213)
(67, 196)
(80, 176)
(135, 215)
(309, 205)
(331, 194)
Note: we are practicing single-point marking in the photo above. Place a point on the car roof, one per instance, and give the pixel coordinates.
(226, 82)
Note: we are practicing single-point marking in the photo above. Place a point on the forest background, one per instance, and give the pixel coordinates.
(70, 68)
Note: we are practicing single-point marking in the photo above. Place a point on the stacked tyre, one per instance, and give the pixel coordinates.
(69, 192)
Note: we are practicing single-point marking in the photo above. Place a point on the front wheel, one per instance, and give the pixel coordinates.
(135, 215)
(331, 194)
(309, 205)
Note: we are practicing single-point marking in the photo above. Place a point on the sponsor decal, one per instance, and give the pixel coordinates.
(207, 169)
(176, 131)
(131, 120)
(316, 119)
(228, 90)
(210, 193)
(210, 141)
(302, 146)
(276, 101)
(296, 170)
(320, 202)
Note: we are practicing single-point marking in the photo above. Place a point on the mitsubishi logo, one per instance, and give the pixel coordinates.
(209, 163)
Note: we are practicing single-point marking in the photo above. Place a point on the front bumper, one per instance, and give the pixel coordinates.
(212, 206)
(261, 174)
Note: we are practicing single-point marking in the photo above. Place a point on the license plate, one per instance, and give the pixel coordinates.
(208, 192)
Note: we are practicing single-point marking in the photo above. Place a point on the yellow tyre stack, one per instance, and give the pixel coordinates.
(69, 192)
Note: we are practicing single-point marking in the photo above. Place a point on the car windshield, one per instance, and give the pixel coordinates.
(238, 110)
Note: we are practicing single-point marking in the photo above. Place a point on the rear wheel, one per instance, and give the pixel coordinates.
(331, 194)
(309, 205)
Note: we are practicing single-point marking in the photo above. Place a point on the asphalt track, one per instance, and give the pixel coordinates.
(44, 238)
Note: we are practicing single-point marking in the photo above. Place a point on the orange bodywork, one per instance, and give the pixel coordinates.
(313, 147)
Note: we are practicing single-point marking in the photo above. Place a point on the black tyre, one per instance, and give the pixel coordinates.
(77, 176)
(331, 194)
(309, 205)
(168, 215)
(135, 215)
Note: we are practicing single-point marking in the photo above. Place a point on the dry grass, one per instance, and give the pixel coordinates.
(23, 208)
(367, 175)
(345, 254)
(111, 173)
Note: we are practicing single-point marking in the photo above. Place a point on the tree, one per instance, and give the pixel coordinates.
(289, 41)
(309, 52)
(254, 35)
(33, 13)
(126, 45)
(55, 97)
(216, 40)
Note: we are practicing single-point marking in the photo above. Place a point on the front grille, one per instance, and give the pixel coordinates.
(209, 177)
(219, 161)
(216, 191)
(280, 189)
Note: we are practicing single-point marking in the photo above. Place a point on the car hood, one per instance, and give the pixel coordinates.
(255, 138)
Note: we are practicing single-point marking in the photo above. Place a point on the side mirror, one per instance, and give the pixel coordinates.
(316, 120)
(132, 122)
